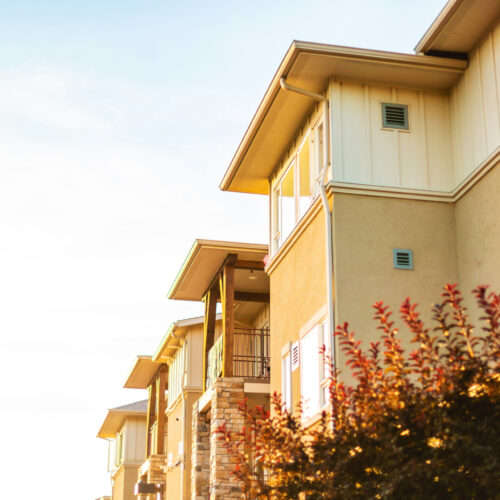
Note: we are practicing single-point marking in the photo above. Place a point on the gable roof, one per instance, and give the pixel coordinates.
(311, 66)
(116, 417)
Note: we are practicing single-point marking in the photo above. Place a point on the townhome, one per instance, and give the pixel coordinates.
(382, 174)
(235, 354)
(173, 378)
(125, 429)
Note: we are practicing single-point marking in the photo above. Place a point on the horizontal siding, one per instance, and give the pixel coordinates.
(365, 153)
(475, 107)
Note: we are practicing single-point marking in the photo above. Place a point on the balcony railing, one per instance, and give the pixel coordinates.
(251, 358)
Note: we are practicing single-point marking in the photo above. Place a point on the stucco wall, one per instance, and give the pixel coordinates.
(298, 291)
(366, 230)
(478, 234)
(124, 481)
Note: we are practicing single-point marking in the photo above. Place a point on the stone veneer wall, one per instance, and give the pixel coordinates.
(211, 465)
(200, 455)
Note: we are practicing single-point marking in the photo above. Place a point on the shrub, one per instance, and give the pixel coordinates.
(420, 425)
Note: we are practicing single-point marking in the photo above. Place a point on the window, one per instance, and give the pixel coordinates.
(119, 449)
(295, 190)
(286, 381)
(314, 371)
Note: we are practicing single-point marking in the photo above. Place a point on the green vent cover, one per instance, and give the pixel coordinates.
(402, 259)
(395, 116)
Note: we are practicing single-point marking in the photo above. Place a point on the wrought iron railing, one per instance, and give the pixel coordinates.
(251, 353)
(251, 357)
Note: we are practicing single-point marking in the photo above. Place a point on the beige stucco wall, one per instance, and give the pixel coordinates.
(478, 235)
(175, 436)
(298, 291)
(366, 230)
(123, 483)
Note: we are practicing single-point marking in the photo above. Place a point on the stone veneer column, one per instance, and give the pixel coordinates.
(227, 392)
(200, 456)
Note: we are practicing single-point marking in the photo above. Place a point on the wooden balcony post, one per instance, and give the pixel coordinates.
(210, 300)
(161, 385)
(150, 416)
(227, 300)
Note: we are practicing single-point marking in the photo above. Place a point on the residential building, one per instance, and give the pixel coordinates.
(235, 354)
(125, 429)
(382, 173)
(173, 377)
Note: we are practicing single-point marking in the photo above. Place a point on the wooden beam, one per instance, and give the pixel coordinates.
(161, 386)
(210, 300)
(251, 297)
(229, 259)
(227, 299)
(150, 416)
(256, 265)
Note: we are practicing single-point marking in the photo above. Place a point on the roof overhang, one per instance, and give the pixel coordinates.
(311, 66)
(141, 373)
(459, 26)
(172, 340)
(204, 260)
(115, 419)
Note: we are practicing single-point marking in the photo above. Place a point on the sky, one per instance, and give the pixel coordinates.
(118, 119)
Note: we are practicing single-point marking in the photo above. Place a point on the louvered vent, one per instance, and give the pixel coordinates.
(395, 116)
(295, 356)
(403, 259)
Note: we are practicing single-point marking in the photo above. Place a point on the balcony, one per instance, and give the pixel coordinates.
(251, 358)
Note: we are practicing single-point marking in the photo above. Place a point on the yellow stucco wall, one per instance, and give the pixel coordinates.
(124, 482)
(366, 230)
(478, 235)
(298, 291)
(175, 436)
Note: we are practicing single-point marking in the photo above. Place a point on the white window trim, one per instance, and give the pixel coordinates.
(286, 374)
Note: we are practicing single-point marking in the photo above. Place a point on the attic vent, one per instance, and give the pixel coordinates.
(295, 356)
(403, 259)
(395, 116)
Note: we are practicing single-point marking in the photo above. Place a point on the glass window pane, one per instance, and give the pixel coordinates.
(304, 178)
(287, 200)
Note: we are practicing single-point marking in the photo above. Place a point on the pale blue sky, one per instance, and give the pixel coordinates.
(117, 122)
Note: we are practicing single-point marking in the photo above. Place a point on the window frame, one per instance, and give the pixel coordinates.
(314, 137)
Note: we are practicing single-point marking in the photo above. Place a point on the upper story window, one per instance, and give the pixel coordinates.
(296, 186)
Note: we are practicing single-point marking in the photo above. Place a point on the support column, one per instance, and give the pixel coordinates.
(224, 409)
(210, 301)
(227, 300)
(161, 386)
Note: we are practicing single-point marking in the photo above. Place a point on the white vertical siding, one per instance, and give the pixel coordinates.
(475, 107)
(365, 153)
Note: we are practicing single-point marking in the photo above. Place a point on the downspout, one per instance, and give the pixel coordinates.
(324, 197)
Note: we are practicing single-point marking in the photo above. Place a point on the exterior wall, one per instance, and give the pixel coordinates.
(134, 445)
(298, 292)
(365, 153)
(478, 235)
(200, 453)
(195, 356)
(475, 107)
(366, 230)
(123, 483)
(174, 451)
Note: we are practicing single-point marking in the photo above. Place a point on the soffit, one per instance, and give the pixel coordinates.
(141, 373)
(460, 26)
(205, 259)
(311, 66)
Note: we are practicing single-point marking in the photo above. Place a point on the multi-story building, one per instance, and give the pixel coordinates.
(125, 429)
(383, 179)
(173, 378)
(236, 358)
